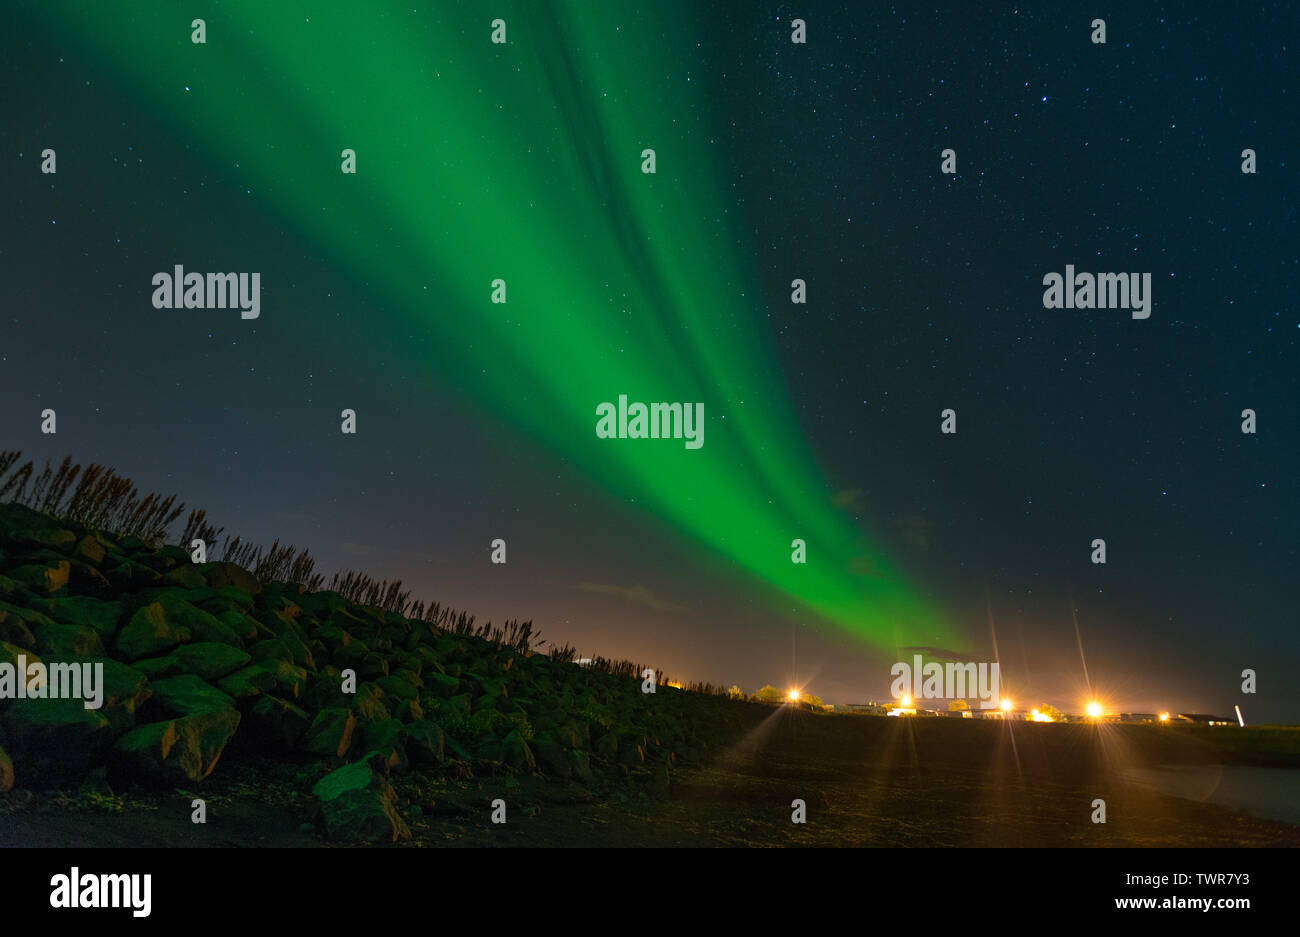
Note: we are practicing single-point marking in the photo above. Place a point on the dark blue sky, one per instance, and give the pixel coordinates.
(924, 293)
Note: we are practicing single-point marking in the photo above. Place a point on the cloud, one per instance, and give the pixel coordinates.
(638, 595)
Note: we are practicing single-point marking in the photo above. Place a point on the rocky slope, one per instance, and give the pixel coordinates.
(201, 662)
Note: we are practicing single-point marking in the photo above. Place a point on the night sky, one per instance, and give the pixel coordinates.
(775, 161)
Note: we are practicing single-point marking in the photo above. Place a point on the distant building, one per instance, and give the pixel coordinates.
(1202, 719)
(874, 709)
(1138, 717)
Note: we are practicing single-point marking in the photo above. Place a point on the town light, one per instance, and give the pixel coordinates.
(1164, 717)
(794, 696)
(905, 702)
(1094, 710)
(1006, 705)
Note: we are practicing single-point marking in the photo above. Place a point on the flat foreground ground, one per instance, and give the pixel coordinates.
(866, 781)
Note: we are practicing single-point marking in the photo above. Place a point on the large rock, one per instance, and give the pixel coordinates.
(176, 750)
(125, 689)
(201, 625)
(210, 660)
(225, 598)
(185, 576)
(359, 805)
(28, 616)
(6, 772)
(56, 740)
(9, 654)
(290, 680)
(228, 574)
(516, 753)
(15, 518)
(150, 632)
(426, 743)
(44, 579)
(90, 549)
(409, 711)
(14, 631)
(552, 759)
(330, 733)
(324, 690)
(581, 763)
(277, 724)
(441, 685)
(387, 739)
(50, 538)
(239, 623)
(155, 668)
(187, 695)
(68, 642)
(249, 682)
(129, 576)
(84, 579)
(84, 610)
(14, 591)
(368, 704)
(124, 685)
(398, 687)
(287, 647)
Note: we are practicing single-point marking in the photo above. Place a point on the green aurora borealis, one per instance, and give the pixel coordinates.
(522, 162)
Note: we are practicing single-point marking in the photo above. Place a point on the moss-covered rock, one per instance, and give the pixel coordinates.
(149, 632)
(6, 772)
(68, 642)
(330, 733)
(187, 695)
(359, 805)
(210, 660)
(228, 574)
(56, 740)
(45, 579)
(103, 616)
(175, 750)
(277, 724)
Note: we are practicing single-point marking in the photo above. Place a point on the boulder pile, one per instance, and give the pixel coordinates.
(203, 659)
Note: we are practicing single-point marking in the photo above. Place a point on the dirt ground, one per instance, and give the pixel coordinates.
(865, 781)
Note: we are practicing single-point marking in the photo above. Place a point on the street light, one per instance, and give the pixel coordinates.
(1094, 710)
(1006, 705)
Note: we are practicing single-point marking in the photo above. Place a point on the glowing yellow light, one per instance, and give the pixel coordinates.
(1036, 716)
(794, 696)
(1006, 705)
(1164, 717)
(906, 702)
(1093, 710)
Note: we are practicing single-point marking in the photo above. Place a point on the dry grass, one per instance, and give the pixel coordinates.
(95, 497)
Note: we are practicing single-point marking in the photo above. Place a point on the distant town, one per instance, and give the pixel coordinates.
(1006, 710)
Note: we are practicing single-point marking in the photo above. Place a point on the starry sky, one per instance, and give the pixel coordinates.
(775, 161)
